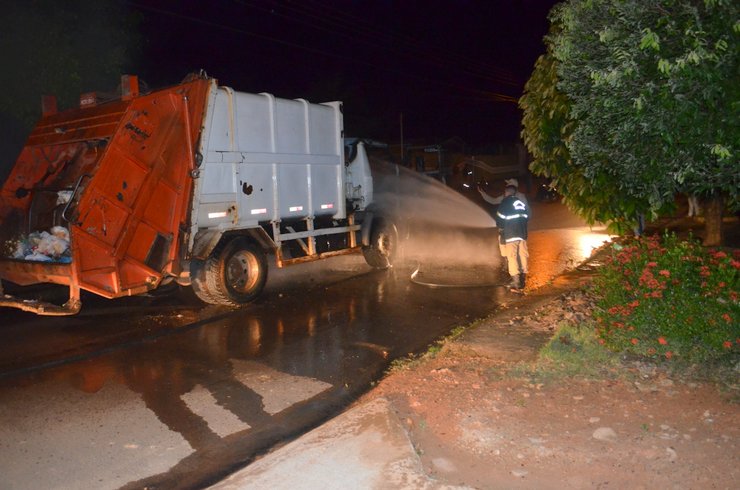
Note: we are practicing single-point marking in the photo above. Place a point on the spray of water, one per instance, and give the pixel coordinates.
(402, 192)
(438, 224)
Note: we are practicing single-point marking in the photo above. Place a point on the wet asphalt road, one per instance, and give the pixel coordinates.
(162, 393)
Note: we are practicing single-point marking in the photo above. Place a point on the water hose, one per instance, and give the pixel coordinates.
(416, 280)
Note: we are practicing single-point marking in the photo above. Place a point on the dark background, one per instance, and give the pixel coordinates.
(444, 64)
(452, 68)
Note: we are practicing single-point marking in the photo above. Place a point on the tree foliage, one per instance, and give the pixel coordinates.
(644, 96)
(548, 131)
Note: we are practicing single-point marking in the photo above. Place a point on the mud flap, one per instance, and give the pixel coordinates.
(366, 229)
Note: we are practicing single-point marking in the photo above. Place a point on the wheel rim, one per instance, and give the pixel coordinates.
(242, 271)
(385, 244)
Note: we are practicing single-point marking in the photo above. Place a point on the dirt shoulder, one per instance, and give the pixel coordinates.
(474, 424)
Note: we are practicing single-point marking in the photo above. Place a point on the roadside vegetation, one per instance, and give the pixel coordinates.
(657, 301)
(573, 351)
(412, 360)
(670, 299)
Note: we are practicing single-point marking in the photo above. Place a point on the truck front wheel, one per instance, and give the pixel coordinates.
(383, 244)
(234, 274)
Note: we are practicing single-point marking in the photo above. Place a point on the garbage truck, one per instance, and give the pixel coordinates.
(196, 184)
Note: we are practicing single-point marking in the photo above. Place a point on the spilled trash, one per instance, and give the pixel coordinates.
(51, 246)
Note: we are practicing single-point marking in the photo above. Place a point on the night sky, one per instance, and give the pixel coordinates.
(453, 68)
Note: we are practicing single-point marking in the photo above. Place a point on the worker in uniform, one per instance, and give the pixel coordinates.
(511, 218)
(498, 199)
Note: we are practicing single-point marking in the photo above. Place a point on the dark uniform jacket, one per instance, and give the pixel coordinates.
(511, 219)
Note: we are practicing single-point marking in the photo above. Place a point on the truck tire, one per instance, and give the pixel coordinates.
(383, 245)
(234, 274)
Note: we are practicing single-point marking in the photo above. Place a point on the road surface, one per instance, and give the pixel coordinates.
(164, 393)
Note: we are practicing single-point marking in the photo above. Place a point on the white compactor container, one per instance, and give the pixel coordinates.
(269, 159)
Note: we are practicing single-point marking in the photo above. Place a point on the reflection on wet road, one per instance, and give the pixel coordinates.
(152, 392)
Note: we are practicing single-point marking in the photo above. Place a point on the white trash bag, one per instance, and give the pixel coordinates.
(44, 246)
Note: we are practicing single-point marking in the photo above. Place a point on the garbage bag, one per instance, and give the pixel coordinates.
(44, 246)
(38, 257)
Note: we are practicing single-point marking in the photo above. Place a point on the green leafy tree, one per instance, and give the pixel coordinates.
(548, 128)
(60, 48)
(547, 125)
(651, 96)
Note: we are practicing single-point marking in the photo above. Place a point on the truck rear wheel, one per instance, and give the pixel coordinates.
(234, 274)
(383, 245)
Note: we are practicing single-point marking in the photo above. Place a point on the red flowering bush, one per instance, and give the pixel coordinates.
(671, 299)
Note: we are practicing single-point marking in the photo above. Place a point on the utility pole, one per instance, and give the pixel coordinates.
(403, 154)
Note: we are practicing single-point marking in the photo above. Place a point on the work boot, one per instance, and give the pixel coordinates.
(515, 280)
(522, 280)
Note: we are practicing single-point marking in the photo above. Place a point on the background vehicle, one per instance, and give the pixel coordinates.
(194, 183)
(547, 193)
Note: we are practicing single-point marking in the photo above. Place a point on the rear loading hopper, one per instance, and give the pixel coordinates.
(117, 176)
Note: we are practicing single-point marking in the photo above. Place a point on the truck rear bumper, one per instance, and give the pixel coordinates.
(25, 273)
(71, 307)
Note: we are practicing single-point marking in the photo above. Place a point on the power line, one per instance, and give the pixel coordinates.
(352, 27)
(483, 69)
(484, 95)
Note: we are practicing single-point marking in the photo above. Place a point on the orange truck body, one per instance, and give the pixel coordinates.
(127, 163)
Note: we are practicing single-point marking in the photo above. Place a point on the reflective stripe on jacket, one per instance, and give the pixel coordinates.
(511, 218)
